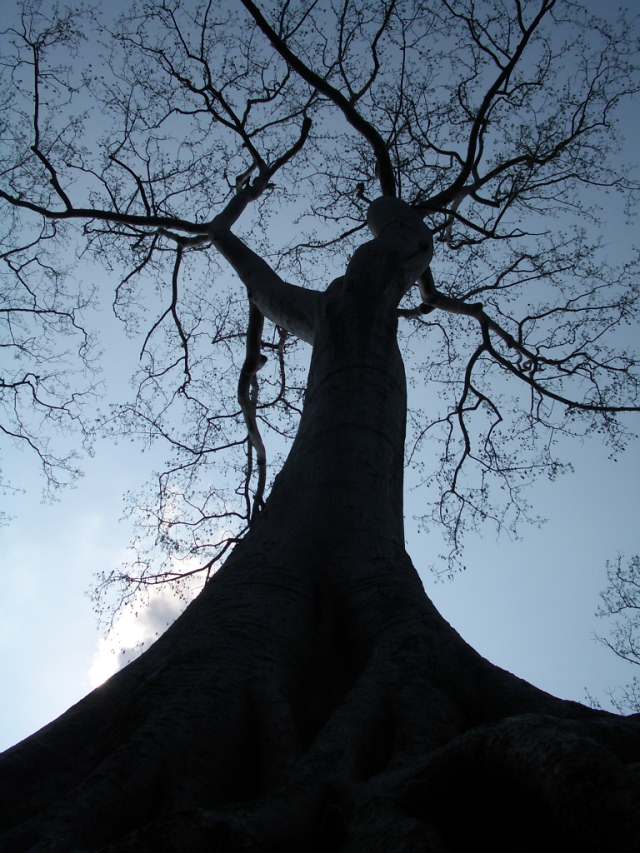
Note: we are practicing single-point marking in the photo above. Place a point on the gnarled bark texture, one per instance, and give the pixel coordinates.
(312, 698)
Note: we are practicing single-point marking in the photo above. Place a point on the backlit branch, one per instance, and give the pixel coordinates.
(248, 399)
(346, 105)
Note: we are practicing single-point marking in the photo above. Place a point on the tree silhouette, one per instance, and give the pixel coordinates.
(311, 694)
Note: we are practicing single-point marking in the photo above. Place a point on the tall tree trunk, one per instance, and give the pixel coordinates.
(312, 697)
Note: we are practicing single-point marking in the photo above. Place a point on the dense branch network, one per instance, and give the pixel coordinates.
(47, 362)
(620, 609)
(286, 123)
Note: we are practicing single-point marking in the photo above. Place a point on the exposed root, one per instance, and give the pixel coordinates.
(284, 723)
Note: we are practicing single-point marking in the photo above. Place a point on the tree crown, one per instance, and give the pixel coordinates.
(498, 123)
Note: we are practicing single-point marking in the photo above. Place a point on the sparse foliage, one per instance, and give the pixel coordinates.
(496, 121)
(620, 608)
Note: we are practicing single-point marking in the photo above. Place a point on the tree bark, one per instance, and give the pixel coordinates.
(312, 697)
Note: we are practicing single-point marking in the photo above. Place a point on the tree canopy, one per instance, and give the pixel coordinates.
(141, 140)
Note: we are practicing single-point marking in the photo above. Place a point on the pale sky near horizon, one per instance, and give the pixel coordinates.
(526, 605)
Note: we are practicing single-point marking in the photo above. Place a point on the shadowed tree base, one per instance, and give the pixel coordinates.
(279, 724)
(312, 698)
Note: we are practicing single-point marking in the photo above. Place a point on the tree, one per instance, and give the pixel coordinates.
(620, 600)
(311, 694)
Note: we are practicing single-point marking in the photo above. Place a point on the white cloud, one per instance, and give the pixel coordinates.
(134, 630)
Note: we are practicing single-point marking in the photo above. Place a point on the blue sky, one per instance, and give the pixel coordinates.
(527, 605)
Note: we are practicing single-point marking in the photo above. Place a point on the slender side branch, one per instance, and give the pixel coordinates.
(357, 121)
(248, 400)
(176, 319)
(433, 299)
(173, 310)
(249, 191)
(451, 192)
(113, 216)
